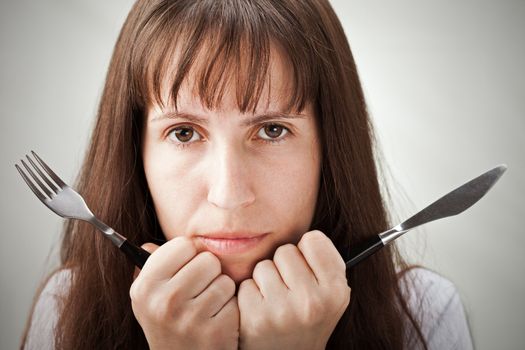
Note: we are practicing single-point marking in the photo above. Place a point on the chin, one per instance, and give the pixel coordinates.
(238, 272)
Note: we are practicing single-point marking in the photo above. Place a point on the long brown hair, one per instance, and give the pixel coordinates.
(223, 42)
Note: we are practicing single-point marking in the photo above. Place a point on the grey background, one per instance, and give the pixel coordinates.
(445, 83)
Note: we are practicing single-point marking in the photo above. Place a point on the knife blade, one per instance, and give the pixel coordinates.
(453, 203)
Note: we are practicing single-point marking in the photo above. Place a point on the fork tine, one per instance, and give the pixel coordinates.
(29, 183)
(48, 170)
(51, 185)
(37, 180)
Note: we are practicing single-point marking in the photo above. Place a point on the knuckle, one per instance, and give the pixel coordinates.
(209, 258)
(234, 310)
(341, 265)
(138, 290)
(223, 286)
(162, 307)
(184, 244)
(173, 301)
(187, 326)
(211, 261)
(244, 289)
(159, 310)
(282, 318)
(312, 237)
(227, 285)
(347, 294)
(261, 267)
(231, 310)
(134, 293)
(284, 250)
(313, 309)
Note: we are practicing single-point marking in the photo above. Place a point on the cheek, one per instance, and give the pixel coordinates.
(292, 187)
(174, 190)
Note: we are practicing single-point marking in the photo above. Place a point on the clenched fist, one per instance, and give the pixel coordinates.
(182, 301)
(296, 300)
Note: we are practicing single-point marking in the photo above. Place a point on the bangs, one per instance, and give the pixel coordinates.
(220, 44)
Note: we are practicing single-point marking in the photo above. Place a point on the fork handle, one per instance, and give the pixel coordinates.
(136, 254)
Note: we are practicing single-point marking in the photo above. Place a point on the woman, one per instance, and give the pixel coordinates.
(237, 131)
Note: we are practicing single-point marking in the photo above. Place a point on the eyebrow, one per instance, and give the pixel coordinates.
(246, 122)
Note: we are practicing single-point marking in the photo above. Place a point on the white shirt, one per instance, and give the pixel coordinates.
(433, 300)
(436, 306)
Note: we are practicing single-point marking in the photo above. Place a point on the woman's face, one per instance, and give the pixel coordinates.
(238, 185)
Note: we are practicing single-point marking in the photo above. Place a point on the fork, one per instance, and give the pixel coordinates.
(67, 203)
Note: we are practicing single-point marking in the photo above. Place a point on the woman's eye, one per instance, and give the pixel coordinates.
(184, 134)
(272, 132)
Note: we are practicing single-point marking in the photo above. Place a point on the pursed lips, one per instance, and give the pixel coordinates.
(222, 243)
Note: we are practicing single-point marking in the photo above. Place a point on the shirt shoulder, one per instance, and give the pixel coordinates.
(436, 305)
(41, 334)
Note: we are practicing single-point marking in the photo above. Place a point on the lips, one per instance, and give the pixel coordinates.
(230, 243)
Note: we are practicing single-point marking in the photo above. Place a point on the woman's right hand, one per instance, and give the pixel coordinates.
(182, 301)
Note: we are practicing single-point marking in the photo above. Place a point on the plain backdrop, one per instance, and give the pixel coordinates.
(445, 85)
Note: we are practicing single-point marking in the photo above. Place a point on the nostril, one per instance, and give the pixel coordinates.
(230, 195)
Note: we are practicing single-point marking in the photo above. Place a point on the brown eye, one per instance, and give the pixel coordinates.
(184, 134)
(272, 132)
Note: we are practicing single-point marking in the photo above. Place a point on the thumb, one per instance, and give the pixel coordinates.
(150, 248)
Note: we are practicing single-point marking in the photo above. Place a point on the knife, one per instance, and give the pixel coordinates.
(453, 203)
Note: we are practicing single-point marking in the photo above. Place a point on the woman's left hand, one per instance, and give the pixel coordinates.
(296, 300)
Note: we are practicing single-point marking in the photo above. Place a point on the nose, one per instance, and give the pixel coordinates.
(230, 180)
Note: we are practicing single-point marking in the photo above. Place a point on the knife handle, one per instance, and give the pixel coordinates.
(364, 250)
